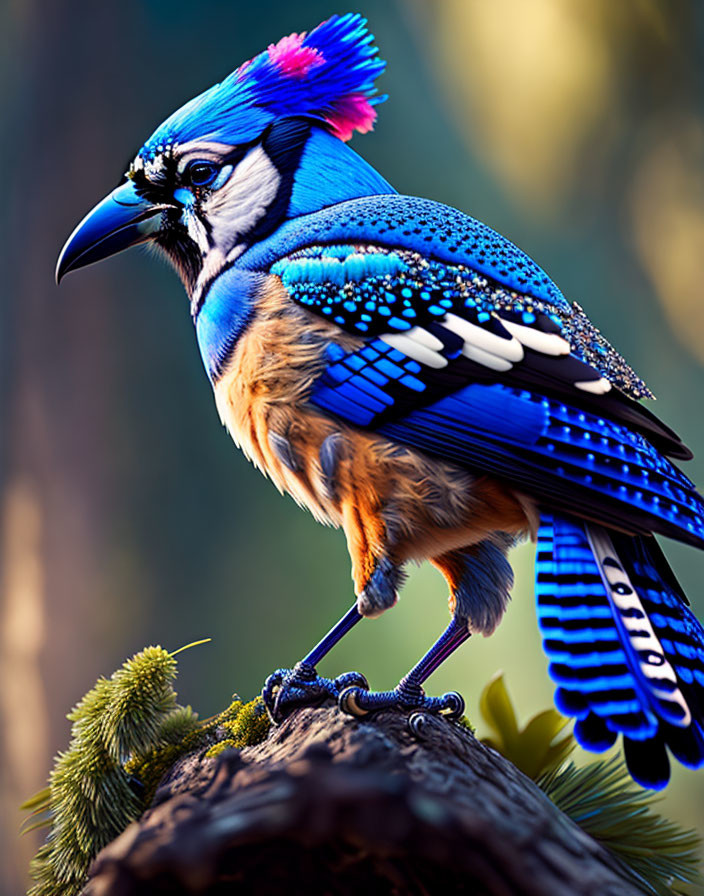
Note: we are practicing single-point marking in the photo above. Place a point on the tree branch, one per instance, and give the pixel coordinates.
(336, 805)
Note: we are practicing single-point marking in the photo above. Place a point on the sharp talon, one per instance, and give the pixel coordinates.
(271, 689)
(274, 713)
(418, 725)
(454, 708)
(348, 701)
(289, 689)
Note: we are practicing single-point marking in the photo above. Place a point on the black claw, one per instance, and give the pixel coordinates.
(418, 725)
(289, 689)
(349, 702)
(455, 705)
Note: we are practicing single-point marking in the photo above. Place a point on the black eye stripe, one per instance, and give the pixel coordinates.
(237, 153)
(154, 192)
(158, 186)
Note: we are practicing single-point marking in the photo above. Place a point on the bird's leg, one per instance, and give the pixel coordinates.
(480, 579)
(408, 693)
(286, 689)
(376, 577)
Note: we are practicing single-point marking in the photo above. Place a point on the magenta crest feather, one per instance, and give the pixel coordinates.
(292, 59)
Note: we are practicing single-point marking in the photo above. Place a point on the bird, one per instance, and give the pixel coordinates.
(410, 376)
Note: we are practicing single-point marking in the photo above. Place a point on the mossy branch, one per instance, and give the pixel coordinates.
(134, 746)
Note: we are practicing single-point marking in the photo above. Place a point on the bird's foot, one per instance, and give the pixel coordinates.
(406, 696)
(288, 689)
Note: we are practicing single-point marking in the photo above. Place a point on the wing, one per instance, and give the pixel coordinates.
(468, 351)
(494, 273)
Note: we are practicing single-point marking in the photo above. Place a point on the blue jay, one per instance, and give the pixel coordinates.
(409, 375)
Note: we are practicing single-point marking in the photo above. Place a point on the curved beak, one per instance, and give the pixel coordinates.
(122, 219)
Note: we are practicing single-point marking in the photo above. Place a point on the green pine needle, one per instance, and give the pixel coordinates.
(603, 800)
(37, 802)
(90, 799)
(128, 730)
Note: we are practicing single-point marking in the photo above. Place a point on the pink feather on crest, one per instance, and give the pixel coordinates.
(291, 58)
(351, 113)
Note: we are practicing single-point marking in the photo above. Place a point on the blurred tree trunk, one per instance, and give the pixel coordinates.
(56, 387)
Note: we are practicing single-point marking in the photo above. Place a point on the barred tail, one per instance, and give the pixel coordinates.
(626, 652)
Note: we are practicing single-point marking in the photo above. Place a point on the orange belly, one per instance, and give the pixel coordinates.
(391, 500)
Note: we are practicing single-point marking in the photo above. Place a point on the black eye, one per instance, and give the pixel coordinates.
(200, 174)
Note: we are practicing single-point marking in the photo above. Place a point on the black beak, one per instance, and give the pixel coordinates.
(122, 219)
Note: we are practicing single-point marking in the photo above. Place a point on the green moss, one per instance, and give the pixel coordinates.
(466, 724)
(245, 724)
(240, 725)
(149, 768)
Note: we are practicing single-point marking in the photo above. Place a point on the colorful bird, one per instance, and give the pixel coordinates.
(409, 375)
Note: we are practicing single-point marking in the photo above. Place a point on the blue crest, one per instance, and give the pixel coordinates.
(327, 74)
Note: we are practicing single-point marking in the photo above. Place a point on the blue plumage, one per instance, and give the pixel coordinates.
(368, 290)
(572, 459)
(412, 376)
(224, 317)
(418, 225)
(330, 172)
(616, 670)
(327, 74)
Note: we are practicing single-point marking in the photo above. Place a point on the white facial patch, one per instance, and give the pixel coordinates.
(234, 210)
(196, 229)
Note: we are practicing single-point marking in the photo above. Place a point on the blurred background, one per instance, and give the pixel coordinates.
(574, 127)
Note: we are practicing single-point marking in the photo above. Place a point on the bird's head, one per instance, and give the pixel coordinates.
(222, 171)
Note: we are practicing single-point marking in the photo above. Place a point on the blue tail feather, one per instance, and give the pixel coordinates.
(626, 652)
(593, 734)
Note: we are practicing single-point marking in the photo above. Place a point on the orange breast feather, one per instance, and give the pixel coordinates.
(391, 501)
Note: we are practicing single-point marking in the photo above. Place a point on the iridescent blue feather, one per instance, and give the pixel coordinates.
(563, 455)
(627, 659)
(419, 225)
(327, 75)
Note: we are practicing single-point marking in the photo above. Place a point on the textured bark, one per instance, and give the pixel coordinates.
(331, 804)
